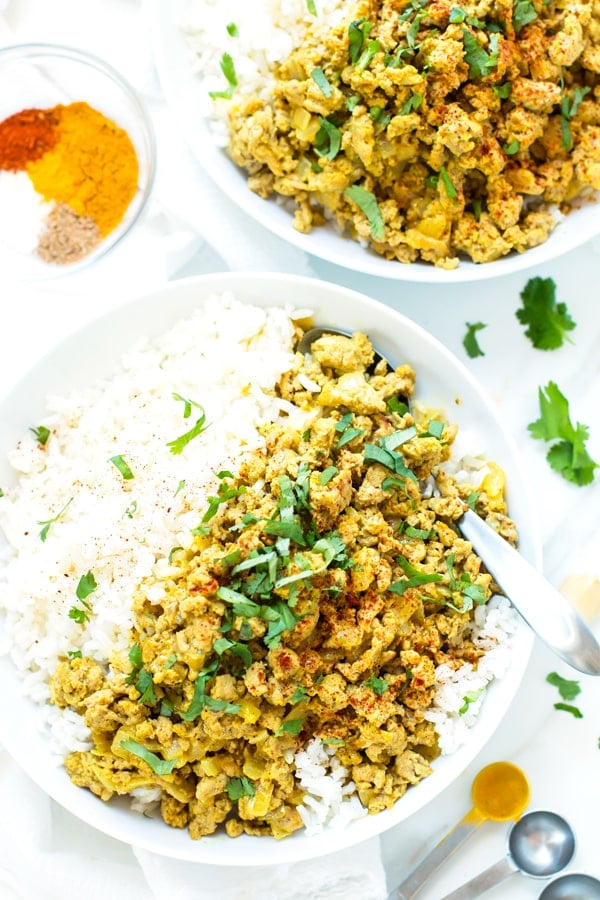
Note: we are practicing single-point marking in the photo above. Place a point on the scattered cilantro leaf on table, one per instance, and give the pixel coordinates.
(566, 707)
(547, 321)
(568, 690)
(568, 456)
(470, 339)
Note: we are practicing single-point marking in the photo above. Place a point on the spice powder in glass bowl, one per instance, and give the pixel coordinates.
(73, 173)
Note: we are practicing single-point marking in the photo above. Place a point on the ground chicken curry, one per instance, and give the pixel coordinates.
(326, 582)
(433, 129)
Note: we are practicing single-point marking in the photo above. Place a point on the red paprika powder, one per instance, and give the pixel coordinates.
(26, 136)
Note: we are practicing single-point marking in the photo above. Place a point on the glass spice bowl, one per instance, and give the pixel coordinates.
(37, 222)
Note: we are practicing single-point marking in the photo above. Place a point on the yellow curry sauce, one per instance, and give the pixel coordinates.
(432, 130)
(324, 586)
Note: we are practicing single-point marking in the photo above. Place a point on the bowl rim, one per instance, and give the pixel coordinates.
(115, 820)
(29, 50)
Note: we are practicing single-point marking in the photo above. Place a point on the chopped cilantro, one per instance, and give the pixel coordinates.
(327, 474)
(232, 29)
(503, 91)
(470, 340)
(367, 55)
(87, 585)
(180, 487)
(568, 109)
(328, 140)
(78, 615)
(435, 429)
(524, 12)
(367, 203)
(41, 434)
(311, 7)
(170, 661)
(122, 466)
(298, 695)
(547, 321)
(568, 456)
(131, 509)
(320, 79)
(481, 63)
(239, 787)
(451, 191)
(290, 726)
(47, 523)
(566, 707)
(412, 104)
(221, 645)
(472, 499)
(512, 148)
(177, 445)
(568, 690)
(74, 654)
(397, 406)
(228, 70)
(470, 697)
(159, 766)
(421, 534)
(358, 32)
(432, 182)
(378, 685)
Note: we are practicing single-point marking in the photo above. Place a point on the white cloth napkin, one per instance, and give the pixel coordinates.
(45, 853)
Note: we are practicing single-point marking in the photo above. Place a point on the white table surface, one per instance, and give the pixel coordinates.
(561, 755)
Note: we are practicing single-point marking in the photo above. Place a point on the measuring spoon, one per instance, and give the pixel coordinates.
(499, 792)
(572, 886)
(540, 844)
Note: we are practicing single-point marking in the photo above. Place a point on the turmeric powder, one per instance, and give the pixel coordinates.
(93, 167)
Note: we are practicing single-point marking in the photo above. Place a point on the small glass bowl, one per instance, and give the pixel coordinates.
(45, 75)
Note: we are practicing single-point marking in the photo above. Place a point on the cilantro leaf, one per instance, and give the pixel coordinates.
(470, 339)
(524, 12)
(41, 434)
(367, 203)
(378, 685)
(320, 79)
(568, 690)
(569, 456)
(328, 140)
(481, 63)
(228, 70)
(566, 707)
(239, 787)
(159, 766)
(547, 320)
(87, 585)
(122, 466)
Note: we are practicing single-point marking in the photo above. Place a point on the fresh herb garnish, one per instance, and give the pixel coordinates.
(228, 70)
(367, 204)
(512, 148)
(568, 690)
(41, 434)
(412, 104)
(568, 109)
(239, 787)
(358, 32)
(177, 445)
(122, 466)
(568, 456)
(327, 474)
(451, 191)
(524, 12)
(131, 509)
(566, 707)
(221, 645)
(472, 499)
(397, 406)
(86, 586)
(47, 523)
(470, 342)
(159, 766)
(299, 694)
(290, 726)
(416, 577)
(470, 697)
(503, 91)
(328, 140)
(232, 29)
(320, 79)
(547, 321)
(311, 7)
(480, 62)
(74, 654)
(378, 685)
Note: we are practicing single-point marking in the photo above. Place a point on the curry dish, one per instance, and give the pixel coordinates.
(432, 130)
(326, 582)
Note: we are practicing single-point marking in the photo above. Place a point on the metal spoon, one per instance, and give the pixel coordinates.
(540, 844)
(545, 610)
(500, 791)
(572, 886)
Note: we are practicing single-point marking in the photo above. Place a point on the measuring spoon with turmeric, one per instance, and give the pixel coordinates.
(499, 792)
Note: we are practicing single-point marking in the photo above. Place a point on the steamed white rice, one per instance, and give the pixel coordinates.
(227, 357)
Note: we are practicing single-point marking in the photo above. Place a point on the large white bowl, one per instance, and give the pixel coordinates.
(441, 380)
(181, 87)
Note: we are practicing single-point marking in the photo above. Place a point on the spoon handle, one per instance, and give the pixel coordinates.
(436, 857)
(548, 613)
(489, 878)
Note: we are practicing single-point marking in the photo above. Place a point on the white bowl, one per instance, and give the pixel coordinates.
(181, 88)
(442, 382)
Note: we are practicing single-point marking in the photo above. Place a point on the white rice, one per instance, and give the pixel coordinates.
(266, 33)
(226, 357)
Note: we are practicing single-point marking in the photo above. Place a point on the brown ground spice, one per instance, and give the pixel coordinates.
(67, 237)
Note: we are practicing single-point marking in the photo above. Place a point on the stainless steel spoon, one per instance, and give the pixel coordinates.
(546, 611)
(540, 845)
(572, 886)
